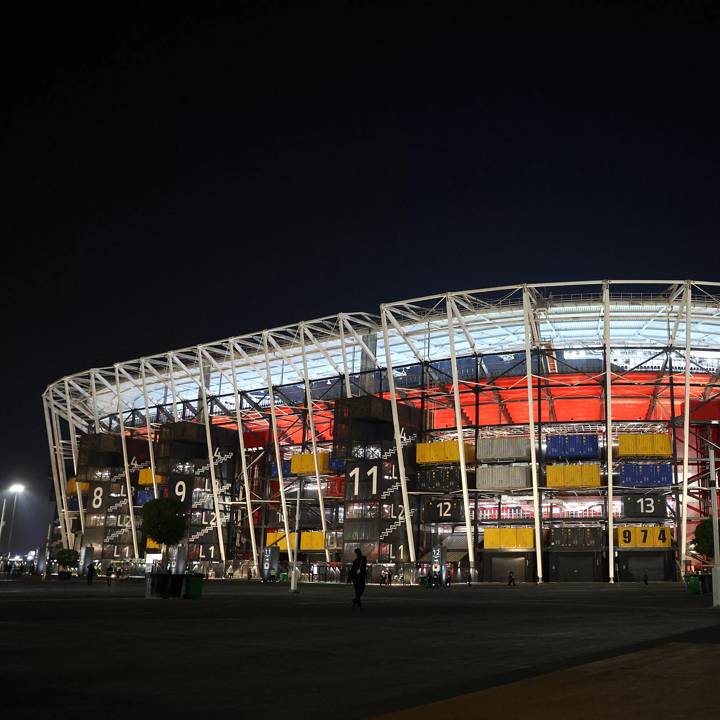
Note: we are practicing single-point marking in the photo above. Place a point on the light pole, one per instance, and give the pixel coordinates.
(16, 489)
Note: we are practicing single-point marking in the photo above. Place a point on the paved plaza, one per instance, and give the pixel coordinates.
(247, 649)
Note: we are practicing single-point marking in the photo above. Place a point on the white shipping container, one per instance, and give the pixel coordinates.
(503, 477)
(503, 448)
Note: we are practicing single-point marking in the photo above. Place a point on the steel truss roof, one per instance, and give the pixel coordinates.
(645, 317)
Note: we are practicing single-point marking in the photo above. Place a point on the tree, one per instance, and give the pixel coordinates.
(67, 558)
(165, 520)
(704, 538)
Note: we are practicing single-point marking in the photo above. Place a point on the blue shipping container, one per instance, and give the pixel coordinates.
(285, 468)
(144, 495)
(336, 465)
(646, 475)
(584, 447)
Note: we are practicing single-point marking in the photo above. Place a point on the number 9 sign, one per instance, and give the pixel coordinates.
(180, 491)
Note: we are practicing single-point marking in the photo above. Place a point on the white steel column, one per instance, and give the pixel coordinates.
(148, 427)
(243, 460)
(609, 429)
(278, 455)
(537, 508)
(311, 422)
(398, 438)
(123, 442)
(62, 522)
(173, 392)
(716, 540)
(211, 458)
(62, 473)
(461, 437)
(96, 417)
(686, 428)
(348, 388)
(74, 451)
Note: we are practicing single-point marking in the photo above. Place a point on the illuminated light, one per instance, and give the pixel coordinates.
(16, 488)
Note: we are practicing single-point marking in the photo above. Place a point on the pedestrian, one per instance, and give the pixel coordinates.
(109, 575)
(90, 573)
(645, 577)
(383, 577)
(357, 576)
(511, 579)
(8, 567)
(249, 574)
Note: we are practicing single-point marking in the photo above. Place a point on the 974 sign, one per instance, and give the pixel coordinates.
(644, 506)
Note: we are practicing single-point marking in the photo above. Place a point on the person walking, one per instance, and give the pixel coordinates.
(90, 573)
(511, 579)
(357, 576)
(645, 577)
(109, 575)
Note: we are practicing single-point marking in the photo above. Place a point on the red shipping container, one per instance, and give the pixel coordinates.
(336, 486)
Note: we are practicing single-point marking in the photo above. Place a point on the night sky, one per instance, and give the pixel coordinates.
(175, 176)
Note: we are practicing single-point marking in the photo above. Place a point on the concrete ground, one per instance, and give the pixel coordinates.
(247, 649)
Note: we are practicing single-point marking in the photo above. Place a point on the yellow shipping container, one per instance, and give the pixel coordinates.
(644, 445)
(525, 538)
(492, 538)
(303, 464)
(589, 475)
(625, 536)
(555, 476)
(446, 451)
(508, 538)
(145, 477)
(72, 486)
(311, 540)
(661, 537)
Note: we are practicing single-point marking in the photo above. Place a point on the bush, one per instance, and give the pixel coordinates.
(67, 558)
(165, 520)
(704, 538)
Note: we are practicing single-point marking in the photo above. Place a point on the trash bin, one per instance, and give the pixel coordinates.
(283, 577)
(193, 586)
(693, 584)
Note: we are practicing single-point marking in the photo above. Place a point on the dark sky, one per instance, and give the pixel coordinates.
(174, 176)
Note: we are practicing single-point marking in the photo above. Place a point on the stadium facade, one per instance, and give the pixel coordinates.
(561, 431)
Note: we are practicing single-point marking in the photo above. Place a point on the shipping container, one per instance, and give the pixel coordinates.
(646, 475)
(573, 476)
(446, 451)
(576, 537)
(572, 447)
(503, 477)
(644, 445)
(508, 538)
(72, 486)
(439, 479)
(304, 464)
(145, 477)
(272, 466)
(503, 448)
(643, 536)
(311, 540)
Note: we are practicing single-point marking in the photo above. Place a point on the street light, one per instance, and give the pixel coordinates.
(15, 489)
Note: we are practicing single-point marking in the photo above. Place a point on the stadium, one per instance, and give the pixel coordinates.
(558, 431)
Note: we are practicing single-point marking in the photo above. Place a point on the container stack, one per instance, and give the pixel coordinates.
(572, 465)
(639, 457)
(503, 464)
